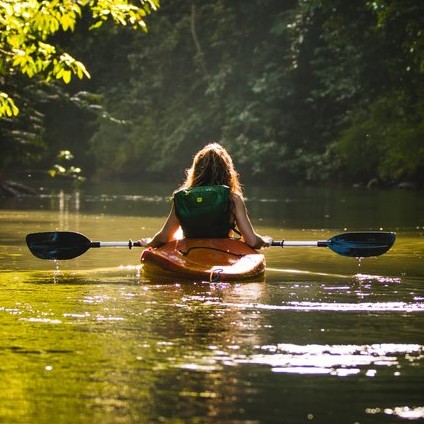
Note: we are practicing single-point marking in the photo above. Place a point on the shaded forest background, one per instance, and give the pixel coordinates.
(307, 91)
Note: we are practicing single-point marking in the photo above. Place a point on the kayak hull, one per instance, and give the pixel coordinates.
(223, 259)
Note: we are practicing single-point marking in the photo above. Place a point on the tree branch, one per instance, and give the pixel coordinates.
(200, 57)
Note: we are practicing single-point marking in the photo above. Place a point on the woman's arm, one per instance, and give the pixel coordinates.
(166, 233)
(250, 237)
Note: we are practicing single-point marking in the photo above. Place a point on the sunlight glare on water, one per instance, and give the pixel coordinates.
(338, 360)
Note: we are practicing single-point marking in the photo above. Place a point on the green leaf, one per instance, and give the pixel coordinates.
(66, 76)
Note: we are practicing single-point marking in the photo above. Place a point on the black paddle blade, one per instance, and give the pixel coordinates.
(57, 244)
(362, 244)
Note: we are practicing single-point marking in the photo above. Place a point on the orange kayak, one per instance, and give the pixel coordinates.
(204, 260)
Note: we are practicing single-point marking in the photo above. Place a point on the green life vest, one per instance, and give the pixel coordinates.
(204, 211)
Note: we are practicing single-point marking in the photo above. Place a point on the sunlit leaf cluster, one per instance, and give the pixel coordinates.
(64, 168)
(27, 27)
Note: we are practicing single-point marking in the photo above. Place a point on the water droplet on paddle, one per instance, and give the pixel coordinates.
(56, 272)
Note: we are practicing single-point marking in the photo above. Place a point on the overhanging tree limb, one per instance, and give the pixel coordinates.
(26, 28)
(200, 54)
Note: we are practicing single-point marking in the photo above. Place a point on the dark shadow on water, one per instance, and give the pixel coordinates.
(70, 278)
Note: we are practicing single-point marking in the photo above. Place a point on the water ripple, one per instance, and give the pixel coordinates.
(333, 306)
(337, 360)
(356, 307)
(406, 412)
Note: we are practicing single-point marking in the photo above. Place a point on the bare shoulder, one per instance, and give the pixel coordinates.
(239, 207)
(236, 199)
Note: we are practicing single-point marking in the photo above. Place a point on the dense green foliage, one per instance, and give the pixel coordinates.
(31, 56)
(298, 90)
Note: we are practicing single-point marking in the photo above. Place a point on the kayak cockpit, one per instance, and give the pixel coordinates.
(223, 259)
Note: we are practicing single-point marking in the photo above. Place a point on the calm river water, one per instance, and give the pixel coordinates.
(324, 339)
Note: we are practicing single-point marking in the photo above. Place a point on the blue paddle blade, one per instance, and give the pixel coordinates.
(361, 244)
(57, 244)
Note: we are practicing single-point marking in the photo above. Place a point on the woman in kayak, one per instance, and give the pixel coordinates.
(210, 203)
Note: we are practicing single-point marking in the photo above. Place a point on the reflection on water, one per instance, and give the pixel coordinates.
(402, 412)
(323, 339)
(288, 207)
(340, 307)
(338, 360)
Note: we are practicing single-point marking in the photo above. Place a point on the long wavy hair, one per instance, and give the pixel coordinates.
(213, 165)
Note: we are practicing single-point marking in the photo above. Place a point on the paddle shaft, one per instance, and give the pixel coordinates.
(130, 244)
(284, 243)
(280, 243)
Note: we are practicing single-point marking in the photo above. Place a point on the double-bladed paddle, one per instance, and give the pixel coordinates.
(59, 245)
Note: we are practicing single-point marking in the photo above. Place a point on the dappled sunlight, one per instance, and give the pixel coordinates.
(350, 307)
(365, 278)
(298, 272)
(405, 412)
(337, 360)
